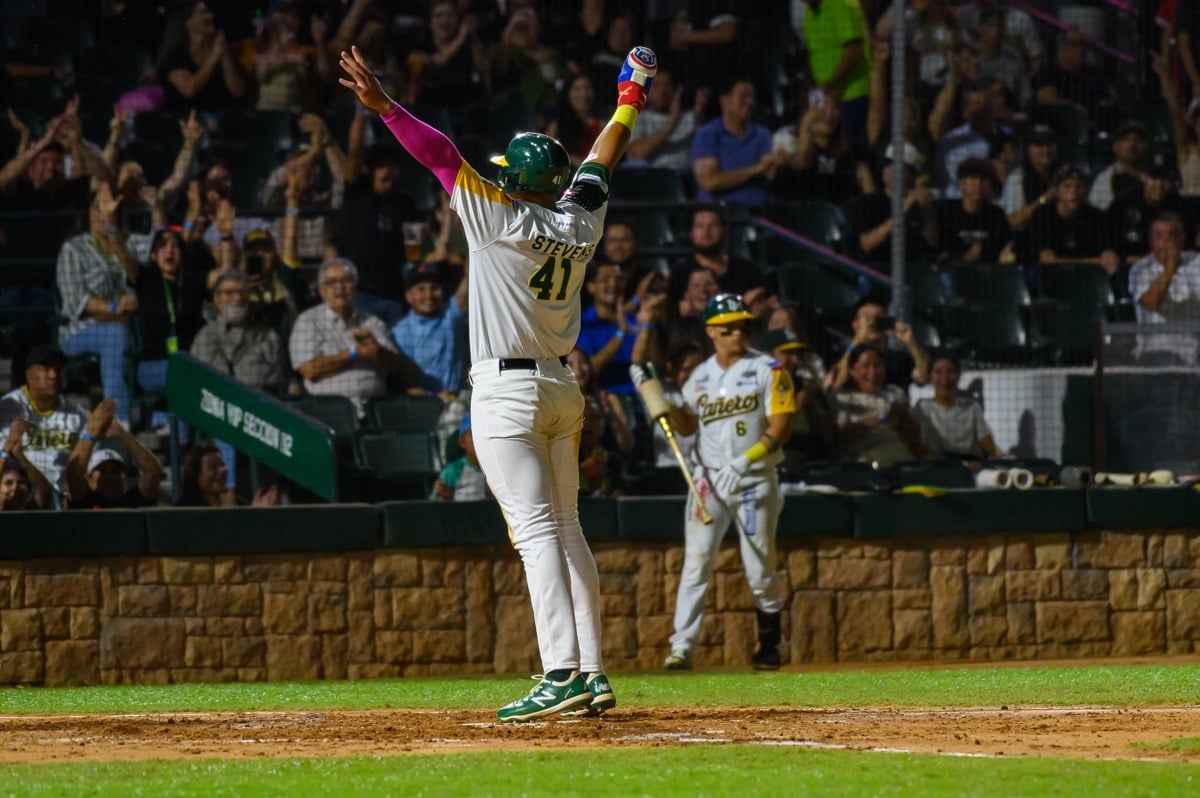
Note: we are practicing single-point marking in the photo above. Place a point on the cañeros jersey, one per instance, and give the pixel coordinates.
(733, 405)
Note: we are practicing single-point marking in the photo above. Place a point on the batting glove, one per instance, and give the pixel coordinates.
(726, 482)
(638, 374)
(633, 84)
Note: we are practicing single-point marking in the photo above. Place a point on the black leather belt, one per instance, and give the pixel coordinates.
(523, 363)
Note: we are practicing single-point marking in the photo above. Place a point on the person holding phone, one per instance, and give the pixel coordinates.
(270, 299)
(906, 362)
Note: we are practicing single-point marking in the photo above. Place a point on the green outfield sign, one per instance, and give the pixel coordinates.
(297, 446)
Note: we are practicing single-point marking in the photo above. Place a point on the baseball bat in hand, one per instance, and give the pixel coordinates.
(658, 408)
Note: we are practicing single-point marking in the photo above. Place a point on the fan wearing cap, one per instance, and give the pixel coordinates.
(812, 424)
(96, 477)
(1028, 186)
(1135, 209)
(740, 403)
(1130, 145)
(1069, 229)
(53, 421)
(434, 332)
(270, 299)
(870, 216)
(972, 229)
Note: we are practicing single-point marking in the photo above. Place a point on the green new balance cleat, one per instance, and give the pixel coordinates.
(548, 698)
(603, 697)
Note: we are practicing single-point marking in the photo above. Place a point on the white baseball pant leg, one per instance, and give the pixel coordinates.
(526, 431)
(754, 510)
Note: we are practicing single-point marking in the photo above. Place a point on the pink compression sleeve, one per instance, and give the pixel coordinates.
(428, 145)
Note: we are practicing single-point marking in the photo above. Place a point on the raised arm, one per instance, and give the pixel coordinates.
(429, 146)
(633, 84)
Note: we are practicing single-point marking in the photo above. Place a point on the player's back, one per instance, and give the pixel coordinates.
(527, 267)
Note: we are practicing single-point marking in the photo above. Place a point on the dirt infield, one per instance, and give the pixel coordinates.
(1079, 732)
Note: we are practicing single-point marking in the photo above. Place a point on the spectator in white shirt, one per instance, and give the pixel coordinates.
(1165, 286)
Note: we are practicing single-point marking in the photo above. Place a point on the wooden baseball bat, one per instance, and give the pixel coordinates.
(687, 474)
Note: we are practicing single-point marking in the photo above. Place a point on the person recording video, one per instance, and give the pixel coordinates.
(904, 364)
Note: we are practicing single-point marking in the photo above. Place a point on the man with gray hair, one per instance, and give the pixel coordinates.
(240, 346)
(1165, 286)
(342, 351)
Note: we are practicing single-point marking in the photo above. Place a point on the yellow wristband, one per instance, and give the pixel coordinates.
(757, 452)
(625, 114)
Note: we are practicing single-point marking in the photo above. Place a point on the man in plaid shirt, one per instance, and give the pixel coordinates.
(342, 351)
(434, 333)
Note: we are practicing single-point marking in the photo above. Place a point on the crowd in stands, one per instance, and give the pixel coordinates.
(189, 177)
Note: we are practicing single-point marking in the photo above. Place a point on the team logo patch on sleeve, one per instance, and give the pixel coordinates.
(594, 179)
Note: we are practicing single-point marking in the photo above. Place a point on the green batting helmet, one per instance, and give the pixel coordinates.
(726, 309)
(533, 162)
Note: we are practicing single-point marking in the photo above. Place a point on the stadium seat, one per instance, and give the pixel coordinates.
(401, 463)
(994, 333)
(653, 228)
(1076, 284)
(991, 284)
(745, 242)
(941, 473)
(816, 290)
(820, 221)
(339, 414)
(1070, 328)
(401, 413)
(930, 288)
(647, 184)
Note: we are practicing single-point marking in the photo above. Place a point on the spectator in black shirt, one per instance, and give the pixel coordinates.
(96, 477)
(197, 66)
(171, 288)
(1068, 80)
(369, 231)
(870, 216)
(1069, 229)
(973, 229)
(708, 234)
(703, 43)
(819, 164)
(905, 362)
(1133, 211)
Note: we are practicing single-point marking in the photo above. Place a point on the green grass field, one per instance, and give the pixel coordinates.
(717, 770)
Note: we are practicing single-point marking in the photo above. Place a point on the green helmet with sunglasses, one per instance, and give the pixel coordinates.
(726, 309)
(533, 162)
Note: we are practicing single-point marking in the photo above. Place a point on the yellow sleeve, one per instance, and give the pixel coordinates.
(781, 394)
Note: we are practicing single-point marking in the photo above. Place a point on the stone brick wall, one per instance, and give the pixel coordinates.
(410, 612)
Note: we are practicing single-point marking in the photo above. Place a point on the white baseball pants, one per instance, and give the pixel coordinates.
(754, 510)
(526, 424)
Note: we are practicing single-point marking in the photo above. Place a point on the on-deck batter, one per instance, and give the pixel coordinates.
(529, 249)
(739, 402)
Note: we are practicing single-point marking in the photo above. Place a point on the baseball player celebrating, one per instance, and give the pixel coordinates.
(740, 403)
(530, 243)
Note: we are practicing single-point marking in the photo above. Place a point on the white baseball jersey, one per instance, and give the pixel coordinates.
(528, 263)
(50, 437)
(733, 405)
